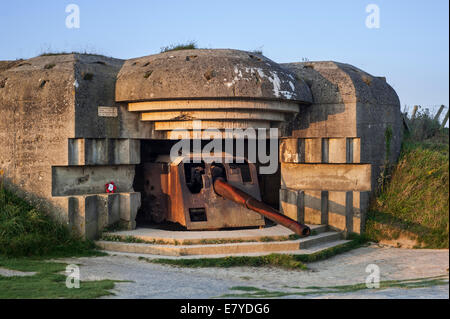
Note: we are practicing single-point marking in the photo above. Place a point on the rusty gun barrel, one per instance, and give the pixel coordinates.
(222, 188)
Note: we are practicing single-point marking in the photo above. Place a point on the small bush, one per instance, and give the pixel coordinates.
(423, 126)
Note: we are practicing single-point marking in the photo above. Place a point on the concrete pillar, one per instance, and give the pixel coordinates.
(129, 205)
(291, 204)
(108, 206)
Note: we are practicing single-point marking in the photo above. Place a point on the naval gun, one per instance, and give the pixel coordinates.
(209, 194)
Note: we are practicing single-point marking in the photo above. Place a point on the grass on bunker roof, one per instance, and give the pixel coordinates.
(191, 45)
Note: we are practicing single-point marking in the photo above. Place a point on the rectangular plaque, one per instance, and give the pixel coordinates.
(107, 111)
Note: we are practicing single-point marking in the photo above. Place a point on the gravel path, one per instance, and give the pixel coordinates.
(161, 281)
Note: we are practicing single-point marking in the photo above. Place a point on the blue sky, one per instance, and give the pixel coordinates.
(411, 47)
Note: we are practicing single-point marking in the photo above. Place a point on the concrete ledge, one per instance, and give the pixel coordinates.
(83, 180)
(332, 177)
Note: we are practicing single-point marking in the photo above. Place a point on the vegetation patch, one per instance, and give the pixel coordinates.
(191, 45)
(26, 231)
(48, 282)
(254, 292)
(414, 204)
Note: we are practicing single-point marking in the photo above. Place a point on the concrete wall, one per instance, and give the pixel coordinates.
(324, 182)
(54, 149)
(348, 102)
(36, 120)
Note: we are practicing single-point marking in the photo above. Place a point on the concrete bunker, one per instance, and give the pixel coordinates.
(71, 123)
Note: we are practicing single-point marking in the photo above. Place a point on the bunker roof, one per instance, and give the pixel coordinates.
(208, 74)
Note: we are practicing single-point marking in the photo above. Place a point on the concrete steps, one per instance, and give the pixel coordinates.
(305, 251)
(269, 241)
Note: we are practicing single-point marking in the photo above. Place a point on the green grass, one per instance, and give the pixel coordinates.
(182, 46)
(26, 231)
(285, 261)
(415, 203)
(48, 282)
(254, 292)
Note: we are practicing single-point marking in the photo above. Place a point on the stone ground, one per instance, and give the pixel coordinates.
(160, 281)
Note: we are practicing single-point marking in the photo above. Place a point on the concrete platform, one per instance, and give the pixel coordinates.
(305, 251)
(259, 241)
(155, 235)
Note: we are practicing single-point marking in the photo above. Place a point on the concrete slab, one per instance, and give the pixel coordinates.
(331, 177)
(227, 248)
(154, 234)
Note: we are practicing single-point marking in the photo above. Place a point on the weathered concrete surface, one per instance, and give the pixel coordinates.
(104, 151)
(344, 211)
(203, 73)
(43, 102)
(320, 150)
(332, 177)
(79, 180)
(36, 118)
(158, 281)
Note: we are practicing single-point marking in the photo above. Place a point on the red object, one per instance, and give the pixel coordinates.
(110, 187)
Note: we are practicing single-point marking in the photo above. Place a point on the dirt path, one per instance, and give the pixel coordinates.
(160, 281)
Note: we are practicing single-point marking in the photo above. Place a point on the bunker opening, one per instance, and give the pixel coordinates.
(180, 193)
